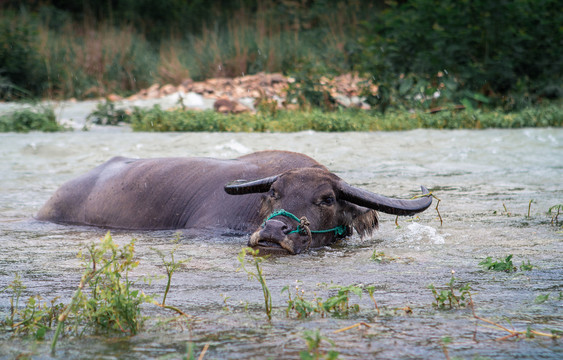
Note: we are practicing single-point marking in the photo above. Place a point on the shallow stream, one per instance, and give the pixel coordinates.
(485, 180)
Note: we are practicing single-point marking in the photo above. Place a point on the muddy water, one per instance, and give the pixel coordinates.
(485, 180)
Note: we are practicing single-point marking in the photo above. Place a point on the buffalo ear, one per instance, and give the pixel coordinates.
(241, 187)
(361, 219)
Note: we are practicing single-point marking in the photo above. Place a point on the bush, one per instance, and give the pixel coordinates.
(28, 119)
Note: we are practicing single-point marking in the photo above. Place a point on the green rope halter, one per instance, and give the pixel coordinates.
(303, 228)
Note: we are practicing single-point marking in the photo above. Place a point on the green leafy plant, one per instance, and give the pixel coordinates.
(256, 261)
(170, 265)
(339, 304)
(527, 266)
(380, 257)
(112, 304)
(448, 299)
(314, 341)
(540, 299)
(36, 317)
(304, 308)
(26, 120)
(505, 264)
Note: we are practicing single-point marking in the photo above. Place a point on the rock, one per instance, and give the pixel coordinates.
(114, 97)
(227, 106)
(167, 89)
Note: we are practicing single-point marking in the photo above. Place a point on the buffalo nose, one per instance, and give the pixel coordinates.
(275, 229)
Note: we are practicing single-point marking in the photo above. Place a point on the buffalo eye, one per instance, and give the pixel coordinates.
(327, 201)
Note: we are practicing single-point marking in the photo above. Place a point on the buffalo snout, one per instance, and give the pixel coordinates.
(273, 236)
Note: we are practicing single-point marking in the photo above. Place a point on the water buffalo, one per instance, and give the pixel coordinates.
(288, 202)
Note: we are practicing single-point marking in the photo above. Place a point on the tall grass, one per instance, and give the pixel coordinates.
(90, 58)
(86, 60)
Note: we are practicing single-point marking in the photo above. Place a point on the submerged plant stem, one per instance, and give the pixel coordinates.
(351, 327)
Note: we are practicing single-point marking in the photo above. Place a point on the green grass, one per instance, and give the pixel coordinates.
(156, 119)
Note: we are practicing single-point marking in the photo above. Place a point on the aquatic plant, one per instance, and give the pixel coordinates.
(540, 299)
(170, 265)
(36, 317)
(529, 207)
(554, 212)
(314, 340)
(380, 257)
(255, 261)
(304, 308)
(337, 305)
(448, 299)
(505, 264)
(526, 266)
(112, 305)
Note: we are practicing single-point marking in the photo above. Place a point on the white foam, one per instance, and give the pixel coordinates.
(421, 234)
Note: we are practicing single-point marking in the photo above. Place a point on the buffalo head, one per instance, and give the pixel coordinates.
(311, 207)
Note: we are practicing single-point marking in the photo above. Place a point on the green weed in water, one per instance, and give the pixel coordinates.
(255, 261)
(530, 207)
(505, 264)
(111, 305)
(540, 299)
(304, 308)
(314, 341)
(340, 303)
(380, 257)
(554, 212)
(35, 318)
(526, 266)
(337, 305)
(170, 265)
(448, 299)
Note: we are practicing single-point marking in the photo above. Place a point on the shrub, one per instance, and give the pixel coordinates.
(29, 119)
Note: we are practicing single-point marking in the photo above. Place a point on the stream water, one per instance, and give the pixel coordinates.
(485, 180)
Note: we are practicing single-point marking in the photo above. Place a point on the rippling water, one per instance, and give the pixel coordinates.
(478, 175)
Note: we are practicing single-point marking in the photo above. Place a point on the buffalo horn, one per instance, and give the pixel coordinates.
(241, 187)
(381, 203)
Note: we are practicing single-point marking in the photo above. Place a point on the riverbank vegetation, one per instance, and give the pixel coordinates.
(156, 119)
(414, 53)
